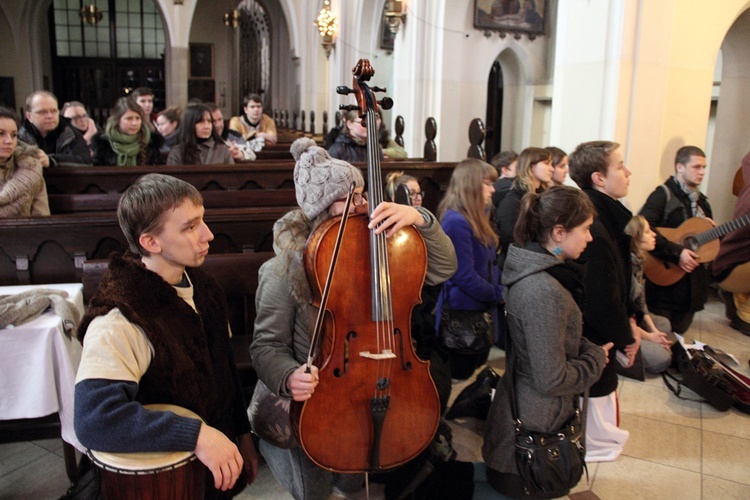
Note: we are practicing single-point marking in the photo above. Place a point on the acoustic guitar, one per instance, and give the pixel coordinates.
(696, 234)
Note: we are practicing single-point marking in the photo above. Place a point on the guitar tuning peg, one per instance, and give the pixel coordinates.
(343, 90)
(378, 89)
(386, 103)
(348, 107)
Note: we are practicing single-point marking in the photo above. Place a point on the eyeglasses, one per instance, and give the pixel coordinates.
(416, 194)
(357, 199)
(79, 117)
(488, 183)
(42, 112)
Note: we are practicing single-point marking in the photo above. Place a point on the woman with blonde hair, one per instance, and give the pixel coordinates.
(534, 175)
(655, 344)
(399, 180)
(464, 215)
(127, 140)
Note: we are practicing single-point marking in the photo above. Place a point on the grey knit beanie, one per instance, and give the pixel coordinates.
(319, 180)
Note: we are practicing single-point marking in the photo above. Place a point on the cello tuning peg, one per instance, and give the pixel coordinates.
(378, 89)
(386, 103)
(343, 90)
(348, 107)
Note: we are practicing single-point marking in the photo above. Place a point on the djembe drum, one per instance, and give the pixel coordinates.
(145, 476)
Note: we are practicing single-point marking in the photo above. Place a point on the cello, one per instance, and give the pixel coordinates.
(376, 405)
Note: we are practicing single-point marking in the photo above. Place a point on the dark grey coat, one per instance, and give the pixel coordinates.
(554, 363)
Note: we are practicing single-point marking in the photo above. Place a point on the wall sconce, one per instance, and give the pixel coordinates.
(90, 14)
(327, 26)
(395, 14)
(232, 18)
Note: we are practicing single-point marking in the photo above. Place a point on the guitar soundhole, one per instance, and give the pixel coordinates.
(691, 244)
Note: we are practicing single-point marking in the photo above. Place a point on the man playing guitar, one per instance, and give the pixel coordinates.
(669, 205)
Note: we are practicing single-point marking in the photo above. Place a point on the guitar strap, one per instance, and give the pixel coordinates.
(673, 203)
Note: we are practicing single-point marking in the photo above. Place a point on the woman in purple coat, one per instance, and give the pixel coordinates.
(464, 215)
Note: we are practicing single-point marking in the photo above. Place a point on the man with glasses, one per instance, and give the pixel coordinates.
(42, 127)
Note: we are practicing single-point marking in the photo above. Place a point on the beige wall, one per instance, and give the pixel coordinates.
(640, 73)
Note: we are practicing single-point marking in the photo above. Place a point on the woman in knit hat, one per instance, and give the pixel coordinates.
(285, 317)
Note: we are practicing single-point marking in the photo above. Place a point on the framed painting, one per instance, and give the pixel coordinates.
(201, 60)
(510, 16)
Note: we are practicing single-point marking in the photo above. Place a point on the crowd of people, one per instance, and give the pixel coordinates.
(557, 271)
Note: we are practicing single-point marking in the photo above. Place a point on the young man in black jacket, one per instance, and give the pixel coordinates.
(671, 204)
(598, 168)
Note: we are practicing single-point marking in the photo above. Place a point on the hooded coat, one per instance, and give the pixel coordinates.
(23, 191)
(553, 365)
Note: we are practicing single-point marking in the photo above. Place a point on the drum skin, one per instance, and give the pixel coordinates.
(147, 476)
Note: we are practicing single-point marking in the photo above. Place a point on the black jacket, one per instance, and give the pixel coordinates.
(506, 216)
(691, 292)
(65, 144)
(607, 304)
(344, 148)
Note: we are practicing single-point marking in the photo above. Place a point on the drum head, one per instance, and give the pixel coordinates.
(146, 462)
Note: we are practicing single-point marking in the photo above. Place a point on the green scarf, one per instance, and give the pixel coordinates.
(126, 146)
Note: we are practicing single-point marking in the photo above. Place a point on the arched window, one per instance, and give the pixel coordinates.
(103, 49)
(255, 52)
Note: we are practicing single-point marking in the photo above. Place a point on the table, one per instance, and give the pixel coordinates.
(38, 364)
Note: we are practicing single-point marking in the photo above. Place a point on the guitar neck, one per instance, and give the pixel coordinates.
(719, 231)
(727, 371)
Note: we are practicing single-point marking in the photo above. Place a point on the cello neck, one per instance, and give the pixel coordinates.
(380, 282)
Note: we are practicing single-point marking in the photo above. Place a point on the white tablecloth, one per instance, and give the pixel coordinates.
(38, 364)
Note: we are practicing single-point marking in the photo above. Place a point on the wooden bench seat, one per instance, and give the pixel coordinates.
(53, 249)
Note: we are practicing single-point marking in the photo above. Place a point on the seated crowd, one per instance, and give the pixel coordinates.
(506, 235)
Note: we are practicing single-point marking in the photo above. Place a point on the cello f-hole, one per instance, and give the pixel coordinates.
(339, 372)
(405, 365)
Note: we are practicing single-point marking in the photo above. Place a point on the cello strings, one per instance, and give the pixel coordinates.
(383, 301)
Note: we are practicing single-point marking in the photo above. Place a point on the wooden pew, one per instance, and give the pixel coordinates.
(250, 176)
(63, 203)
(53, 249)
(236, 273)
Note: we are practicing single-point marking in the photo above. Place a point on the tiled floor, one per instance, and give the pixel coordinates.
(677, 449)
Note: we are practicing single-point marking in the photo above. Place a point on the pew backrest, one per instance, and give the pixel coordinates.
(237, 274)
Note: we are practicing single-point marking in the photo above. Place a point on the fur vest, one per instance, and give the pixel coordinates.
(22, 183)
(191, 366)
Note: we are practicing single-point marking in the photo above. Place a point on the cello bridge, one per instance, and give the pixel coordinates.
(385, 354)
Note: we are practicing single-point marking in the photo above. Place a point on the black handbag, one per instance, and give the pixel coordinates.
(465, 331)
(549, 463)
